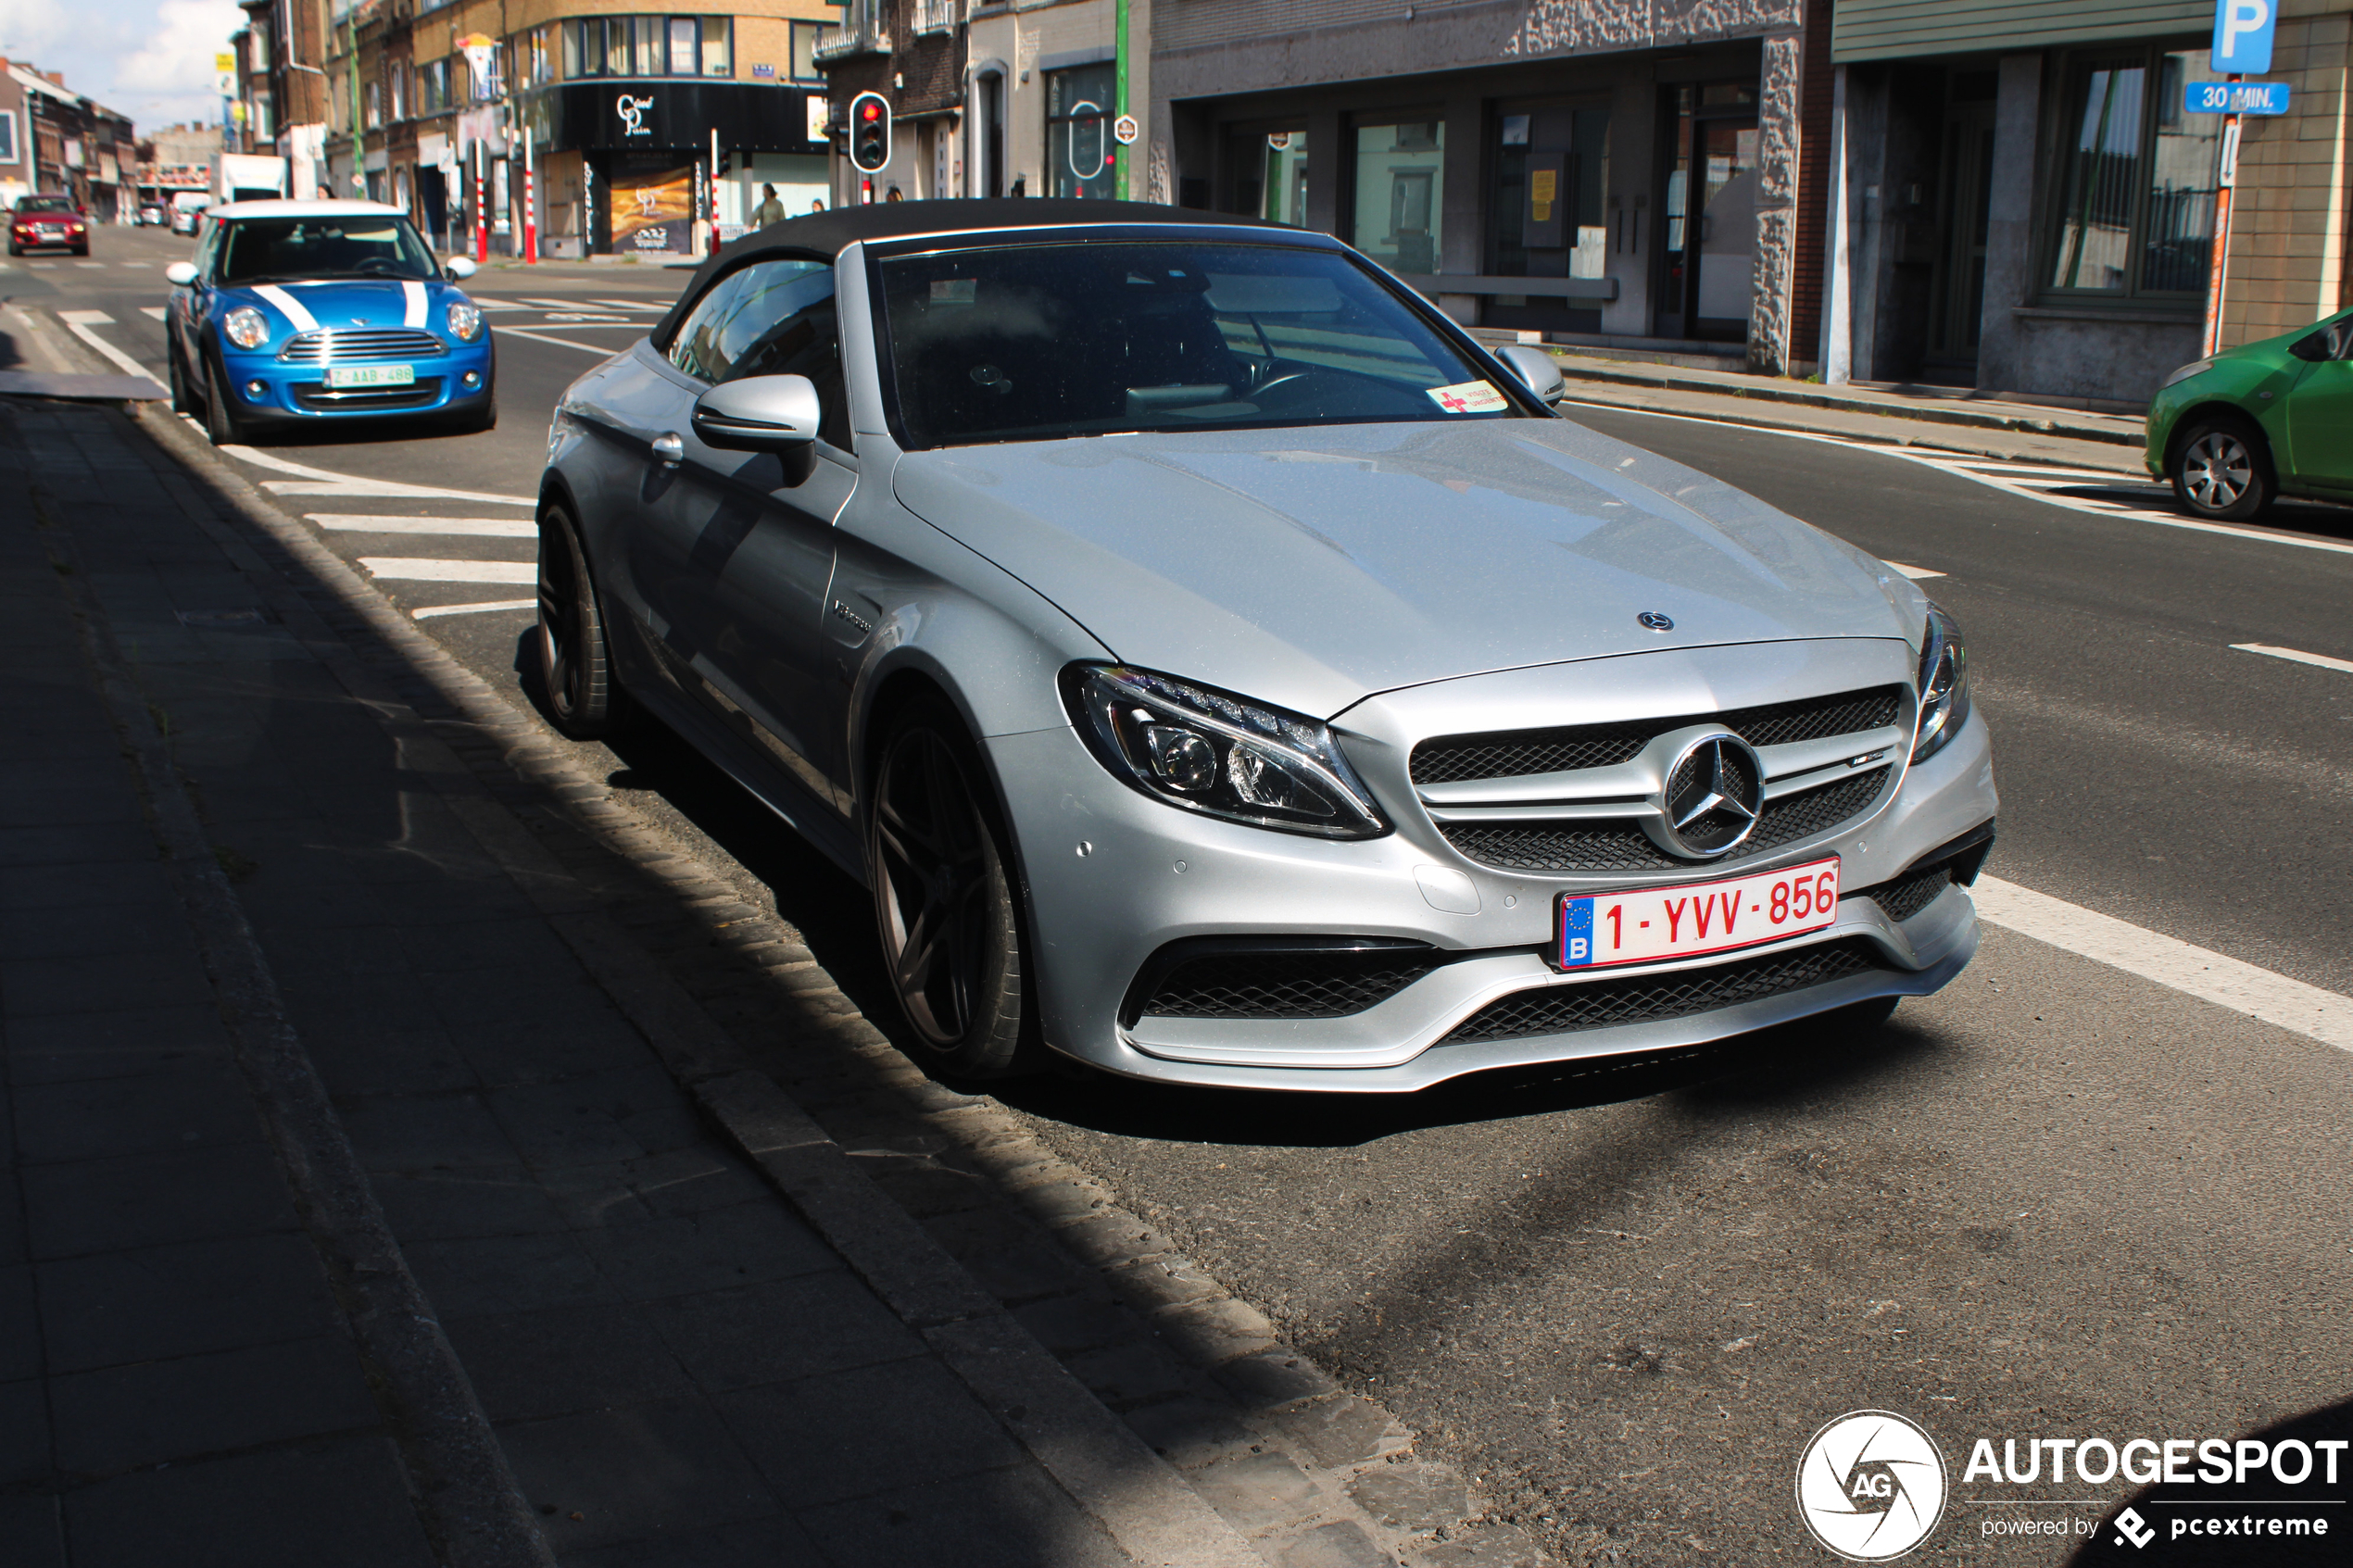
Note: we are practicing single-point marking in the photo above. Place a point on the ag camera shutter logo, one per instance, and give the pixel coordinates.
(1872, 1485)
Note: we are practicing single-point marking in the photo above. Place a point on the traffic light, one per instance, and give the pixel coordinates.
(869, 133)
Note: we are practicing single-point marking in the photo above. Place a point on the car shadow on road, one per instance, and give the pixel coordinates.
(2251, 1506)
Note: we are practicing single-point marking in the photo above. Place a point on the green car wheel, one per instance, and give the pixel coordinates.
(2222, 470)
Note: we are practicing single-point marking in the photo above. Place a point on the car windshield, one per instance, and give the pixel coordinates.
(1039, 342)
(262, 250)
(44, 203)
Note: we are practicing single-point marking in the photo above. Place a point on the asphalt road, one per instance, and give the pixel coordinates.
(2055, 1200)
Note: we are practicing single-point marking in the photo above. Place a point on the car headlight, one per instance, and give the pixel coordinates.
(1219, 755)
(1944, 700)
(465, 321)
(2194, 367)
(246, 327)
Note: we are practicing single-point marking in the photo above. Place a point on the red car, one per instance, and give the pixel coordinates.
(48, 224)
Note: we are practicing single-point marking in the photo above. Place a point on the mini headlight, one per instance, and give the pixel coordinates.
(1944, 700)
(246, 327)
(2194, 367)
(1219, 755)
(465, 321)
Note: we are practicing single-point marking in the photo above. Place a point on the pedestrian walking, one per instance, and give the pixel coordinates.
(769, 210)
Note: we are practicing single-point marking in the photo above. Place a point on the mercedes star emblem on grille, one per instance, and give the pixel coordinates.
(1712, 796)
(1656, 621)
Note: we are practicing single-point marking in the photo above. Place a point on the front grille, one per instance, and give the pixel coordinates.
(1286, 985)
(343, 347)
(1513, 754)
(423, 393)
(1909, 894)
(1603, 1003)
(1618, 844)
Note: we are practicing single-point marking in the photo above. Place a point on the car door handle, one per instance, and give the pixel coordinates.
(669, 450)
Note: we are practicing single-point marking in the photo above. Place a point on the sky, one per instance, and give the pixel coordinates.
(150, 59)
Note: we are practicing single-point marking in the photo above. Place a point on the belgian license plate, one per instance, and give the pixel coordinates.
(340, 376)
(1645, 925)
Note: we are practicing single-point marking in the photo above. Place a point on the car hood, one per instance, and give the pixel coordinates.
(1312, 568)
(344, 303)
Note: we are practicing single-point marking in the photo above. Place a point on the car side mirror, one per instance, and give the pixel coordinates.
(1537, 369)
(759, 414)
(180, 274)
(2312, 348)
(460, 267)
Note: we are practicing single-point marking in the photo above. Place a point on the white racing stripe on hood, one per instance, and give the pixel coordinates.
(415, 294)
(288, 307)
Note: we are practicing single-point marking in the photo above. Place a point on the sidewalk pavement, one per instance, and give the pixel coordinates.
(1936, 418)
(344, 1217)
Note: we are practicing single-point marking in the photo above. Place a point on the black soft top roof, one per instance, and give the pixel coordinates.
(828, 234)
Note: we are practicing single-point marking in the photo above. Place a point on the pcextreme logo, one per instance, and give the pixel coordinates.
(1870, 1486)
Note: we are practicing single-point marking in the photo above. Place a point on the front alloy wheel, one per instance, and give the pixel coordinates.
(575, 663)
(2220, 473)
(945, 899)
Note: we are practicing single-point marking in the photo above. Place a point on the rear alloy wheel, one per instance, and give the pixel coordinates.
(221, 426)
(945, 901)
(575, 663)
(2222, 470)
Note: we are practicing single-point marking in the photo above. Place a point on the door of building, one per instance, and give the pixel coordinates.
(1707, 255)
(1958, 305)
(1266, 173)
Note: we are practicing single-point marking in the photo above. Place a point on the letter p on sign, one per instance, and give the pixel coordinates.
(2243, 36)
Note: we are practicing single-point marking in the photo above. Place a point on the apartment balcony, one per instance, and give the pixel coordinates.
(937, 16)
(847, 42)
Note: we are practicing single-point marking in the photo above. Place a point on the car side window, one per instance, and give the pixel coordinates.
(207, 242)
(770, 319)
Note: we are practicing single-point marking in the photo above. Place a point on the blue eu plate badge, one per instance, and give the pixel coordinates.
(1576, 933)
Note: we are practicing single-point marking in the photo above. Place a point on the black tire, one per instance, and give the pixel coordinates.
(2221, 468)
(947, 900)
(222, 425)
(575, 659)
(180, 402)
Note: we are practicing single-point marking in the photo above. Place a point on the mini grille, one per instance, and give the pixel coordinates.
(1517, 753)
(1296, 984)
(423, 392)
(1607, 846)
(1911, 893)
(394, 343)
(1602, 1004)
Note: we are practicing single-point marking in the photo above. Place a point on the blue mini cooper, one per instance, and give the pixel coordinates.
(304, 311)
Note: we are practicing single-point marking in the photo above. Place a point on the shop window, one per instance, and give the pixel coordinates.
(1546, 195)
(1078, 144)
(804, 51)
(2135, 179)
(1285, 189)
(1401, 192)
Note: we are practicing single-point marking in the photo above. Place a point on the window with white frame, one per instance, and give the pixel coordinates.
(8, 136)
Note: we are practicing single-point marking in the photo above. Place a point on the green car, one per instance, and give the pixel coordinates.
(2265, 419)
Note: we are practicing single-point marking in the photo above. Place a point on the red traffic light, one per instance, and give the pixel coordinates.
(870, 110)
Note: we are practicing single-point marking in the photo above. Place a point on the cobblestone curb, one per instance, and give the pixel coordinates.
(1018, 1268)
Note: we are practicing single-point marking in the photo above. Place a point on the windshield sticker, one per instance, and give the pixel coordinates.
(1468, 397)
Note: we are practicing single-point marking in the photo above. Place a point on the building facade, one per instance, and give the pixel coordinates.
(1630, 177)
(912, 52)
(2029, 205)
(53, 139)
(595, 131)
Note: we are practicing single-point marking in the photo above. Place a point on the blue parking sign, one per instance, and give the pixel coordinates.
(2235, 98)
(2243, 35)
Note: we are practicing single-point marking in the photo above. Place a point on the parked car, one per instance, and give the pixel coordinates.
(152, 214)
(301, 311)
(2234, 432)
(187, 210)
(47, 222)
(1223, 670)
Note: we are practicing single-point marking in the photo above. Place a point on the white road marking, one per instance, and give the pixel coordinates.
(596, 349)
(465, 527)
(89, 264)
(487, 303)
(139, 264)
(573, 318)
(2257, 993)
(1965, 467)
(79, 323)
(323, 482)
(1915, 573)
(2324, 661)
(155, 312)
(545, 303)
(632, 305)
(428, 613)
(418, 569)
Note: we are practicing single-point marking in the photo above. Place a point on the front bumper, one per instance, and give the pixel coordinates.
(50, 239)
(300, 393)
(1113, 877)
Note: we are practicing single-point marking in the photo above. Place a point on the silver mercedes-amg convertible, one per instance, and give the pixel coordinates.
(1225, 670)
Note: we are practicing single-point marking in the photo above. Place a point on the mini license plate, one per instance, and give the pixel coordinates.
(340, 376)
(1645, 925)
